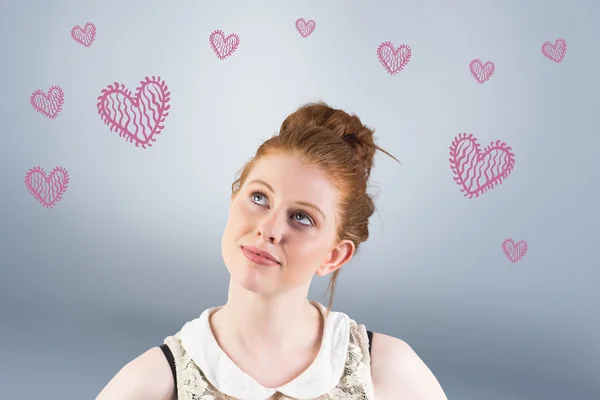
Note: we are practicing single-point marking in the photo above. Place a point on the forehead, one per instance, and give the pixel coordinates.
(292, 178)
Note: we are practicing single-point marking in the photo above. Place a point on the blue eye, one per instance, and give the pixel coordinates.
(305, 217)
(254, 195)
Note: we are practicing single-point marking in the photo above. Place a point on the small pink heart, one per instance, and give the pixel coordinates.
(48, 190)
(48, 104)
(514, 251)
(137, 118)
(223, 46)
(393, 59)
(477, 171)
(555, 52)
(482, 72)
(305, 28)
(84, 36)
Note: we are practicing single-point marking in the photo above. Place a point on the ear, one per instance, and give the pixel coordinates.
(338, 256)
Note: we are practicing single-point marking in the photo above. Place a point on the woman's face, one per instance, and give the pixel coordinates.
(287, 208)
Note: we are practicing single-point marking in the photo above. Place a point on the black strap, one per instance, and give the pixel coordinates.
(370, 336)
(169, 355)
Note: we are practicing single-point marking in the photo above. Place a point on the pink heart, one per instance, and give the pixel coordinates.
(48, 190)
(514, 251)
(475, 171)
(482, 72)
(48, 104)
(555, 52)
(137, 118)
(305, 28)
(393, 59)
(85, 35)
(223, 46)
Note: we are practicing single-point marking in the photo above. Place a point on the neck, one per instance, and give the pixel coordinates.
(277, 324)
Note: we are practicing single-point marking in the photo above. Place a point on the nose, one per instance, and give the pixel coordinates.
(271, 227)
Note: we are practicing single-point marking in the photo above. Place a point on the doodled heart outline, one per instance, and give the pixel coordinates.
(152, 93)
(50, 104)
(482, 71)
(305, 28)
(555, 52)
(393, 59)
(84, 36)
(465, 151)
(514, 251)
(223, 46)
(48, 189)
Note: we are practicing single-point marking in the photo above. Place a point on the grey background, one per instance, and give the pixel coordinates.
(133, 250)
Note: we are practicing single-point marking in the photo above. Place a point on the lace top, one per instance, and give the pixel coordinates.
(341, 370)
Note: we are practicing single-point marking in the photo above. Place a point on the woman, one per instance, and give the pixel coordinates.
(300, 207)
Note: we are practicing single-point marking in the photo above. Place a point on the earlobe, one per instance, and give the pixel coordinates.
(325, 269)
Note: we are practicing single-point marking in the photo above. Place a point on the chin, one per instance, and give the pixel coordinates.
(252, 281)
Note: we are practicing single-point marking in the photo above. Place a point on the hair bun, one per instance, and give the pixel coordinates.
(347, 127)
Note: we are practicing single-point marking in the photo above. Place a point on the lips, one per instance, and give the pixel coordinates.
(261, 253)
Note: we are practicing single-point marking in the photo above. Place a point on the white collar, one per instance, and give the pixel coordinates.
(321, 376)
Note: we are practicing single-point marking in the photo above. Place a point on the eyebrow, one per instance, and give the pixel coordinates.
(302, 203)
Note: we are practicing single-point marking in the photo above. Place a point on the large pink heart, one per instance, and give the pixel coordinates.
(48, 104)
(305, 28)
(393, 59)
(482, 72)
(47, 189)
(223, 46)
(555, 52)
(137, 118)
(84, 36)
(478, 171)
(514, 251)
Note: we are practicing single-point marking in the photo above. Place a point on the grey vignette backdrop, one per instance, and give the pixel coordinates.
(132, 251)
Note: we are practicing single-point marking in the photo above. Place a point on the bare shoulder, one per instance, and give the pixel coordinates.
(146, 377)
(399, 373)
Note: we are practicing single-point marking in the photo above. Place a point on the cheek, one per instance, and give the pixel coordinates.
(241, 219)
(310, 252)
(318, 248)
(243, 215)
